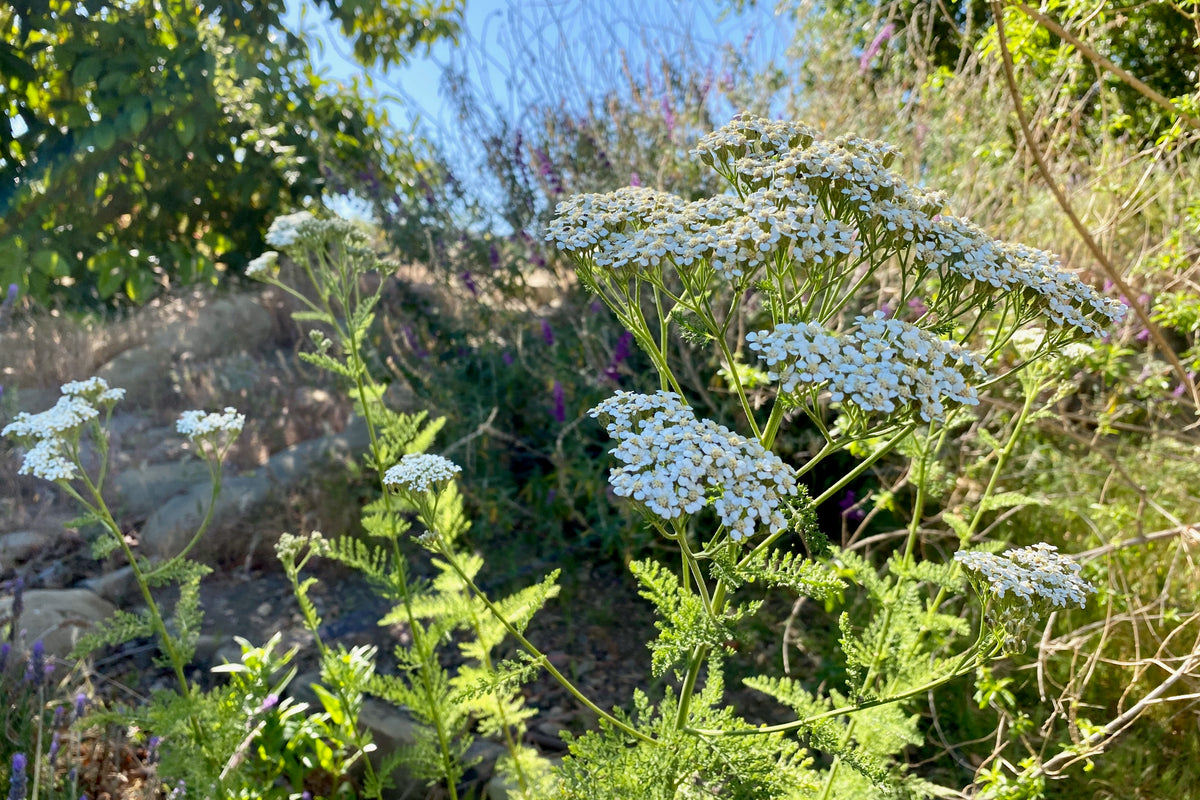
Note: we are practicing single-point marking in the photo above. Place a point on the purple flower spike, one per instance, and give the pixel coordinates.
(875, 46)
(547, 333)
(635, 179)
(17, 779)
(11, 297)
(507, 358)
(560, 403)
(81, 703)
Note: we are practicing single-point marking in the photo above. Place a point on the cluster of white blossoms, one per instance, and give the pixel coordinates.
(263, 266)
(882, 366)
(675, 464)
(1037, 575)
(816, 203)
(303, 229)
(52, 434)
(198, 425)
(420, 472)
(287, 229)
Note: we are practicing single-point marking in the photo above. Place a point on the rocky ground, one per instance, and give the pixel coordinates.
(205, 352)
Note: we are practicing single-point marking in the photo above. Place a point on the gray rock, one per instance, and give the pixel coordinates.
(116, 586)
(20, 546)
(138, 492)
(227, 325)
(58, 617)
(171, 526)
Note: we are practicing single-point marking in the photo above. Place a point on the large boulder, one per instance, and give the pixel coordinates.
(57, 617)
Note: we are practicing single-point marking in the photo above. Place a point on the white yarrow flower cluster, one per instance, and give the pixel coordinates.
(1032, 574)
(286, 230)
(53, 433)
(263, 266)
(198, 425)
(94, 390)
(675, 464)
(420, 472)
(883, 366)
(816, 203)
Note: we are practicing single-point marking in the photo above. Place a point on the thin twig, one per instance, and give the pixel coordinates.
(1109, 268)
(1102, 62)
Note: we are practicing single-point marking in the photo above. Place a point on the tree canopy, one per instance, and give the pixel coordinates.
(149, 141)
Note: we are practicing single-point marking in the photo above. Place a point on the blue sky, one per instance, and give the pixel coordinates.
(516, 53)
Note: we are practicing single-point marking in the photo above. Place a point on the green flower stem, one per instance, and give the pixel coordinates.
(169, 645)
(969, 661)
(214, 472)
(358, 368)
(505, 725)
(697, 659)
(533, 651)
(1033, 387)
(859, 469)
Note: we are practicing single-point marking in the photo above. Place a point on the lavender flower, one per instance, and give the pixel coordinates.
(81, 703)
(547, 333)
(875, 46)
(17, 780)
(35, 668)
(560, 406)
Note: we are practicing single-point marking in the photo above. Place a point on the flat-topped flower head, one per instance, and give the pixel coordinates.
(882, 366)
(304, 229)
(46, 460)
(675, 464)
(93, 390)
(264, 266)
(420, 472)
(199, 425)
(285, 230)
(1021, 586)
(1036, 575)
(65, 418)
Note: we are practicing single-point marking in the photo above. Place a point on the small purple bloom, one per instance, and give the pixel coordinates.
(81, 702)
(55, 743)
(17, 779)
(595, 306)
(5, 649)
(269, 702)
(58, 716)
(875, 46)
(494, 256)
(668, 117)
(887, 310)
(550, 495)
(507, 358)
(918, 307)
(1178, 390)
(469, 282)
(635, 179)
(547, 333)
(846, 505)
(35, 670)
(1143, 335)
(11, 297)
(1109, 286)
(560, 404)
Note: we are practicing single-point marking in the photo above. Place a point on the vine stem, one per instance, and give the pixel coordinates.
(1089, 241)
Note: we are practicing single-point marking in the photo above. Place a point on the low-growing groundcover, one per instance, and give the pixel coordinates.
(837, 299)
